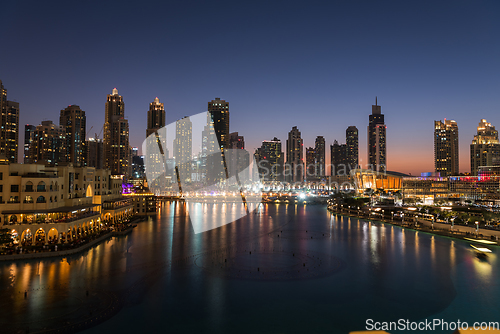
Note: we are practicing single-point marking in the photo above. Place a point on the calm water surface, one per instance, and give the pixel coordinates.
(283, 269)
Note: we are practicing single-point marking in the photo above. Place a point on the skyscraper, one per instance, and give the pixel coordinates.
(116, 135)
(310, 163)
(28, 137)
(485, 147)
(338, 157)
(183, 148)
(237, 158)
(156, 117)
(219, 109)
(377, 158)
(270, 159)
(95, 153)
(352, 147)
(216, 163)
(446, 147)
(48, 145)
(319, 148)
(9, 127)
(294, 169)
(74, 121)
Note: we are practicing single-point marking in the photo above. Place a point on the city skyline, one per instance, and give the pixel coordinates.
(321, 74)
(404, 168)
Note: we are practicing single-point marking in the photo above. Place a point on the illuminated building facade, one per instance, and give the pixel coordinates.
(310, 163)
(446, 147)
(28, 137)
(319, 149)
(9, 127)
(377, 155)
(485, 147)
(352, 147)
(368, 179)
(116, 135)
(219, 110)
(48, 145)
(156, 117)
(270, 159)
(183, 148)
(42, 205)
(294, 168)
(74, 122)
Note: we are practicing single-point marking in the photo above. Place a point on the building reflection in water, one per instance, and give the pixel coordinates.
(160, 257)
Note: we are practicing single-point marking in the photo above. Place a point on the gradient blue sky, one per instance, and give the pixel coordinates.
(317, 65)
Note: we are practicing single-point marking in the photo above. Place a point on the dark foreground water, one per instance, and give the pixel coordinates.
(284, 269)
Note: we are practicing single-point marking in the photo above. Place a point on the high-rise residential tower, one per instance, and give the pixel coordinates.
(183, 148)
(28, 137)
(294, 169)
(95, 153)
(219, 109)
(270, 159)
(377, 156)
(9, 127)
(48, 145)
(319, 148)
(352, 147)
(156, 117)
(310, 163)
(446, 147)
(485, 147)
(116, 135)
(338, 157)
(74, 121)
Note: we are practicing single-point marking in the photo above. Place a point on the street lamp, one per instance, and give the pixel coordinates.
(477, 228)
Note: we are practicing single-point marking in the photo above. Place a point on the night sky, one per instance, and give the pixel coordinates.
(312, 64)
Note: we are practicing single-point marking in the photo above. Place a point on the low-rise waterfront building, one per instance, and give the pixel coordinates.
(143, 201)
(42, 204)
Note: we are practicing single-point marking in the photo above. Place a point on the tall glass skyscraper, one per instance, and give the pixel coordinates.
(377, 156)
(446, 147)
(116, 135)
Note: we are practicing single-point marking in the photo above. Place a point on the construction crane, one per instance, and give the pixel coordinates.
(97, 135)
(87, 135)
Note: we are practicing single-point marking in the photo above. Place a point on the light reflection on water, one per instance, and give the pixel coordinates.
(386, 273)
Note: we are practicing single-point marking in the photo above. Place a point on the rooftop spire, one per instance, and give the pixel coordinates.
(375, 100)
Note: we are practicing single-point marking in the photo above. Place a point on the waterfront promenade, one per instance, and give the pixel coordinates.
(49, 252)
(457, 231)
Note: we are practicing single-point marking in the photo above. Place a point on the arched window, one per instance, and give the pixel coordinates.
(29, 186)
(40, 199)
(13, 219)
(56, 186)
(50, 199)
(28, 199)
(51, 186)
(40, 186)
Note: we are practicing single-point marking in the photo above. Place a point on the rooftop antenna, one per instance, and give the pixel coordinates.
(375, 100)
